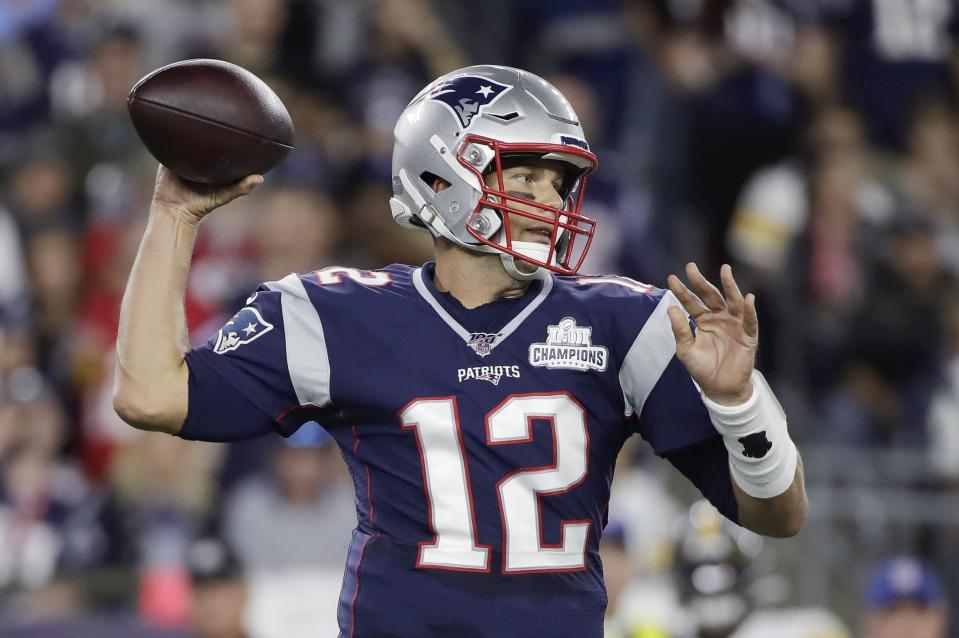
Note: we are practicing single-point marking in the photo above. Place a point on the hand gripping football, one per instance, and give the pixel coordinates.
(210, 121)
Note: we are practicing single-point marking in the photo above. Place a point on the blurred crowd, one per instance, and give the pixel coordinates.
(813, 144)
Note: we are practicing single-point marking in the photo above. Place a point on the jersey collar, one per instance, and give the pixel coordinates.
(448, 308)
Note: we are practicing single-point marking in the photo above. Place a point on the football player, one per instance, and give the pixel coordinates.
(479, 400)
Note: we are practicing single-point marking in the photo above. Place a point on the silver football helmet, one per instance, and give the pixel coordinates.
(459, 129)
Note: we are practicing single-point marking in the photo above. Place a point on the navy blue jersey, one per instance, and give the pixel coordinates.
(481, 442)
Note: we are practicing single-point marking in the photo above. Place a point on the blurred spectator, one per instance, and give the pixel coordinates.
(219, 590)
(53, 523)
(617, 571)
(640, 603)
(904, 598)
(29, 51)
(890, 360)
(823, 282)
(774, 206)
(170, 30)
(296, 230)
(40, 191)
(302, 504)
(375, 239)
(771, 230)
(942, 422)
(929, 179)
(740, 100)
(814, 66)
(14, 307)
(291, 527)
(165, 488)
(712, 571)
(251, 31)
(896, 52)
(90, 102)
(57, 284)
(724, 592)
(408, 44)
(835, 240)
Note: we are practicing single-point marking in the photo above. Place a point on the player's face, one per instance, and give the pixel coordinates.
(536, 179)
(907, 619)
(218, 608)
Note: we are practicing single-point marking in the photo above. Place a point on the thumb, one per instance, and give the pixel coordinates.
(243, 187)
(681, 330)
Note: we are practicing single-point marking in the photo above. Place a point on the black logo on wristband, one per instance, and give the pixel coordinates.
(756, 445)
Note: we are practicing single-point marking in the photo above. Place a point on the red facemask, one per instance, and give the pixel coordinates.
(572, 232)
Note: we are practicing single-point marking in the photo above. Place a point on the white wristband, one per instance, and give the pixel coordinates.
(762, 457)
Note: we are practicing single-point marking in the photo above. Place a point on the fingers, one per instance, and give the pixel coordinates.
(250, 182)
(750, 319)
(706, 291)
(707, 297)
(734, 296)
(693, 305)
(244, 187)
(681, 330)
(741, 307)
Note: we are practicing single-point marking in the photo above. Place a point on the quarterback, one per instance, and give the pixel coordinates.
(479, 400)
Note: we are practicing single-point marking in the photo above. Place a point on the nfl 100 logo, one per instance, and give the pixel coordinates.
(569, 347)
(482, 342)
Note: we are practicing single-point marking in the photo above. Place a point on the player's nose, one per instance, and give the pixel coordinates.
(547, 195)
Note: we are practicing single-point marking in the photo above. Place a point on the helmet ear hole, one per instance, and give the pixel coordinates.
(434, 182)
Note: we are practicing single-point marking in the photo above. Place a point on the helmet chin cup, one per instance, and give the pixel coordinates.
(521, 269)
(513, 264)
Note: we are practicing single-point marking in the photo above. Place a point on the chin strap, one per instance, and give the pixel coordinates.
(513, 264)
(520, 269)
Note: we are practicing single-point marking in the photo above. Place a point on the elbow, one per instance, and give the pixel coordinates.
(139, 411)
(790, 523)
(777, 517)
(794, 523)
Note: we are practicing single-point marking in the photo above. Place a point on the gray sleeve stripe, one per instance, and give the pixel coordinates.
(306, 356)
(649, 355)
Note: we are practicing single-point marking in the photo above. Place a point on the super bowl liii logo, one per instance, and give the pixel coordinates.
(569, 347)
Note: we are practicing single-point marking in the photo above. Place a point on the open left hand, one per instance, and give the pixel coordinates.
(720, 356)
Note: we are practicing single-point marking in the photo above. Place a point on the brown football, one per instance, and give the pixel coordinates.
(210, 121)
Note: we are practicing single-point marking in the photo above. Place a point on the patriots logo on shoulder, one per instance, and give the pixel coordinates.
(467, 95)
(482, 342)
(245, 326)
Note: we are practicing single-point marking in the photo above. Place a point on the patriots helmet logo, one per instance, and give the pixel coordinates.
(492, 377)
(245, 326)
(467, 95)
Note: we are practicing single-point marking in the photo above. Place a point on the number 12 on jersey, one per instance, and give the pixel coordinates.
(449, 495)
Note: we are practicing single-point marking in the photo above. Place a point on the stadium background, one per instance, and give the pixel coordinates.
(814, 144)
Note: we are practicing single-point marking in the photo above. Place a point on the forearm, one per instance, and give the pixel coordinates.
(780, 516)
(152, 379)
(151, 376)
(764, 464)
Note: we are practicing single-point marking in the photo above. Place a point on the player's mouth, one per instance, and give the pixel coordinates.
(539, 235)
